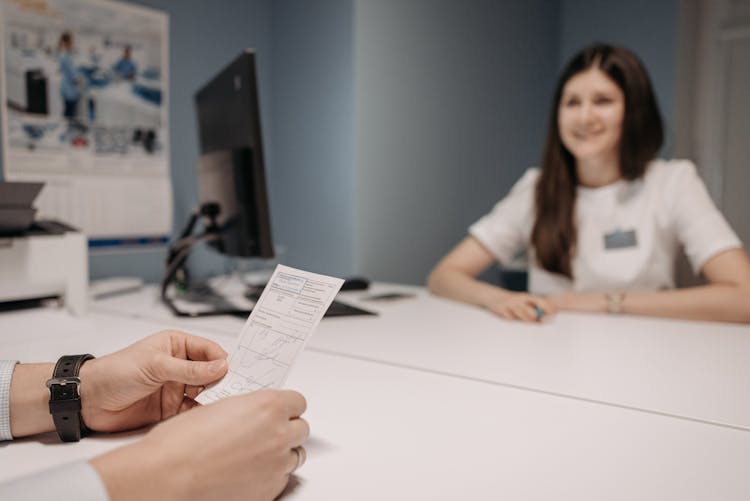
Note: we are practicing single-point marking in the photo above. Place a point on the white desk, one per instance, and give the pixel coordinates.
(694, 370)
(383, 432)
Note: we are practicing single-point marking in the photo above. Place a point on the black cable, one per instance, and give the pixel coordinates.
(178, 254)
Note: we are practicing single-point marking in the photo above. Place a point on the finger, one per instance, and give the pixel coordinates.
(200, 348)
(540, 308)
(172, 394)
(295, 403)
(508, 314)
(539, 312)
(525, 312)
(193, 391)
(303, 456)
(167, 368)
(187, 404)
(299, 431)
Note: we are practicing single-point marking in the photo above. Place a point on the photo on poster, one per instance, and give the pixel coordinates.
(85, 109)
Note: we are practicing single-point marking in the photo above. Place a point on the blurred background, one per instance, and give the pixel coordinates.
(391, 125)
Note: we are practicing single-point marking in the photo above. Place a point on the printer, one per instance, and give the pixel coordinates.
(39, 260)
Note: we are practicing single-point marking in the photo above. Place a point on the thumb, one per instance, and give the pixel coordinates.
(191, 372)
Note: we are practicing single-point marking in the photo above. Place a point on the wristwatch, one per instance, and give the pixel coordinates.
(65, 397)
(614, 302)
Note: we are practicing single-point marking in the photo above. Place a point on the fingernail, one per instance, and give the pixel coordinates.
(216, 366)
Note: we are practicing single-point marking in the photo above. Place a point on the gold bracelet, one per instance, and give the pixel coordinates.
(614, 302)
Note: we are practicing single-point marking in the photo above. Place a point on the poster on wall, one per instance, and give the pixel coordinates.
(85, 109)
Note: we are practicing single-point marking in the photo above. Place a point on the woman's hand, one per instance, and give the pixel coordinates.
(521, 306)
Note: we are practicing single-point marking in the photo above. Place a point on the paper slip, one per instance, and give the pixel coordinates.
(276, 331)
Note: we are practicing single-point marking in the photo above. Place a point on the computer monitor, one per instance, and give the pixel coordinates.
(231, 185)
(231, 171)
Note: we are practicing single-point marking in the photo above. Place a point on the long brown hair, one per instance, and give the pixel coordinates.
(554, 234)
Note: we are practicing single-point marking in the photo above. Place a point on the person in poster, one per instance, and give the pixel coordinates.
(70, 83)
(125, 68)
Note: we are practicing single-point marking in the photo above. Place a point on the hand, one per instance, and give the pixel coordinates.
(237, 448)
(147, 381)
(522, 306)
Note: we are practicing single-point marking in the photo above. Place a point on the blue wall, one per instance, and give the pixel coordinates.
(313, 133)
(389, 125)
(306, 97)
(647, 27)
(452, 101)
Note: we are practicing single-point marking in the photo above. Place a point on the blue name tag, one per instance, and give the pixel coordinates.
(620, 239)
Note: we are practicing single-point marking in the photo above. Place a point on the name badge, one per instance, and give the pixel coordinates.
(620, 239)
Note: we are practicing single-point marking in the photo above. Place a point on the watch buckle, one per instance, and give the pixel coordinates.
(64, 381)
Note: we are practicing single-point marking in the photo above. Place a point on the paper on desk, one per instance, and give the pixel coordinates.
(276, 331)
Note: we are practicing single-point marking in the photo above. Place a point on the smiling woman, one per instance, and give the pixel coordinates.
(603, 219)
(590, 118)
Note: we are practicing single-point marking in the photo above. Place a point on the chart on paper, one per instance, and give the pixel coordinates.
(287, 313)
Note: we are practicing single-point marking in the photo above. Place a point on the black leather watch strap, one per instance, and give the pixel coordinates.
(65, 399)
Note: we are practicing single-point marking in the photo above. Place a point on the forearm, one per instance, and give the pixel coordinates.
(137, 471)
(29, 400)
(459, 286)
(714, 302)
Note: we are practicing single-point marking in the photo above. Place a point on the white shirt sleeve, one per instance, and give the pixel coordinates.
(76, 480)
(506, 229)
(6, 374)
(700, 226)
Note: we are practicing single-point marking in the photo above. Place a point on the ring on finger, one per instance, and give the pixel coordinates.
(301, 457)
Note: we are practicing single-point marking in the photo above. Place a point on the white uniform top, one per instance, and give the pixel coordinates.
(668, 207)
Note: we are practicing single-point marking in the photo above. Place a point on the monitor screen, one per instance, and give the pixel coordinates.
(231, 171)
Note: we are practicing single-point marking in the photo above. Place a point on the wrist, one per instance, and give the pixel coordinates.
(87, 391)
(29, 400)
(615, 302)
(492, 296)
(587, 302)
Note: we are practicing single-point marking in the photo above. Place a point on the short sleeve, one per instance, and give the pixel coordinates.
(507, 228)
(700, 226)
